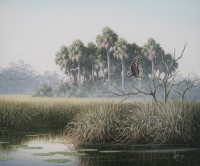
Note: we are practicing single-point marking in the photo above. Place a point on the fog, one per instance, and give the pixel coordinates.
(22, 79)
(34, 30)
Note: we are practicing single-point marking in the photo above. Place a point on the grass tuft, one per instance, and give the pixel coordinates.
(146, 122)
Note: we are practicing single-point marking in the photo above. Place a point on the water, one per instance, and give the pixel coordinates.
(48, 148)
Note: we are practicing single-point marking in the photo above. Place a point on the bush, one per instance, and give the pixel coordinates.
(44, 90)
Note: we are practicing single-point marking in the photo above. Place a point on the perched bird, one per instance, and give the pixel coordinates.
(134, 67)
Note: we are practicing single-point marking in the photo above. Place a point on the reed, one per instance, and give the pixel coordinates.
(141, 122)
(169, 122)
(28, 114)
(96, 124)
(99, 121)
(25, 113)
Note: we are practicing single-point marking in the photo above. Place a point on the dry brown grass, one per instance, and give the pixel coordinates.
(145, 122)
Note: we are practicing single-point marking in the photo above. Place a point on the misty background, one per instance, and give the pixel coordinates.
(32, 32)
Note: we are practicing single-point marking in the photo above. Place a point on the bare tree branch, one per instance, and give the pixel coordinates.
(187, 84)
(182, 52)
(167, 81)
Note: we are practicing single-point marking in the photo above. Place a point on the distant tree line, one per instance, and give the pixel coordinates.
(21, 78)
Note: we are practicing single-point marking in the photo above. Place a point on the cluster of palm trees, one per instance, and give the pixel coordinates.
(109, 59)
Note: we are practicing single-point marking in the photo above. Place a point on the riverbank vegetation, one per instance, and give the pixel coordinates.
(26, 113)
(136, 123)
(100, 121)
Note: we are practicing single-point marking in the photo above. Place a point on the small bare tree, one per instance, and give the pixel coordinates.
(169, 81)
(185, 85)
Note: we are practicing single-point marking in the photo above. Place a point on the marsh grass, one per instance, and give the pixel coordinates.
(169, 122)
(96, 124)
(29, 114)
(141, 122)
(103, 121)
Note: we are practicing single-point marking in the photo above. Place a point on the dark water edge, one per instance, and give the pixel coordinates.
(20, 149)
(48, 147)
(139, 155)
(141, 160)
(35, 153)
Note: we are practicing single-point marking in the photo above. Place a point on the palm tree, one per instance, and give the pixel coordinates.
(168, 58)
(107, 40)
(155, 53)
(62, 57)
(92, 51)
(120, 51)
(151, 50)
(75, 53)
(159, 61)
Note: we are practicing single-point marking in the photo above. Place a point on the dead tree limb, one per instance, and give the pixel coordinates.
(186, 85)
(167, 82)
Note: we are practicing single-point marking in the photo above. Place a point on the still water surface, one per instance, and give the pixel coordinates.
(50, 149)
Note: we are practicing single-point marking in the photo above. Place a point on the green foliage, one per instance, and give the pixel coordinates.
(120, 48)
(44, 90)
(62, 57)
(108, 60)
(63, 89)
(154, 52)
(107, 38)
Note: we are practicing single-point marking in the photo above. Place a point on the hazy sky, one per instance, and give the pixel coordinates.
(34, 30)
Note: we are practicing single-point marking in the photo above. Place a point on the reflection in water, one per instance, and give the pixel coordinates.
(10, 139)
(12, 142)
(184, 158)
(14, 148)
(6, 148)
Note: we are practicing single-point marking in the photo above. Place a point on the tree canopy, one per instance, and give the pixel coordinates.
(104, 63)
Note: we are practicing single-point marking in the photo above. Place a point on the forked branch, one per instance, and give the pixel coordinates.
(186, 85)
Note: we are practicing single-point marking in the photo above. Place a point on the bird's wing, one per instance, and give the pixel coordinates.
(134, 69)
(134, 66)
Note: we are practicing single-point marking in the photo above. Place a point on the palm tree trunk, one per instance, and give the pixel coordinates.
(79, 80)
(152, 69)
(108, 60)
(93, 75)
(123, 71)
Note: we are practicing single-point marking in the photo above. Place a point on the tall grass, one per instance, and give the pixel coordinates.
(97, 124)
(24, 114)
(100, 121)
(169, 122)
(144, 122)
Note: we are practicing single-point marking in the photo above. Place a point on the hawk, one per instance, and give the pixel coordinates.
(134, 67)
